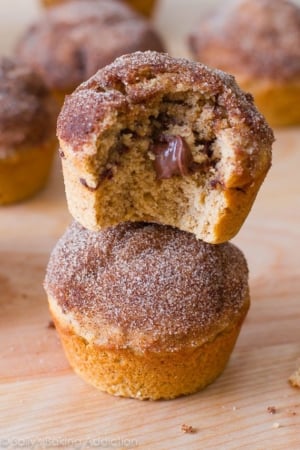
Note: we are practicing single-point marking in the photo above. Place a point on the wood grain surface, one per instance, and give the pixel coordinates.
(44, 405)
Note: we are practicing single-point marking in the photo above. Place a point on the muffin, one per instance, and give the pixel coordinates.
(158, 139)
(258, 41)
(145, 6)
(27, 132)
(73, 40)
(145, 310)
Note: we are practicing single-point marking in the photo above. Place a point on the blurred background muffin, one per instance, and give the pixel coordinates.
(143, 6)
(27, 132)
(73, 40)
(258, 41)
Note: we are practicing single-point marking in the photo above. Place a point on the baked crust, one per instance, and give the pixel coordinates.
(137, 78)
(145, 310)
(74, 39)
(138, 97)
(148, 375)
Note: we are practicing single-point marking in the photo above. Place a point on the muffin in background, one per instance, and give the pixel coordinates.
(258, 41)
(73, 40)
(27, 132)
(143, 6)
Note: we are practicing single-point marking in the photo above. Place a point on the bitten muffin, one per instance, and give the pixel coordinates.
(143, 6)
(27, 132)
(73, 40)
(258, 41)
(158, 139)
(146, 310)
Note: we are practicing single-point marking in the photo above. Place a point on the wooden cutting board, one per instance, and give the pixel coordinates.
(41, 398)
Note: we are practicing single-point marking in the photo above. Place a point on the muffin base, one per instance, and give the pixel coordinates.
(25, 172)
(278, 102)
(149, 375)
(145, 6)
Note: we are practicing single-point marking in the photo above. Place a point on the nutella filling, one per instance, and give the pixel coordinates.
(172, 157)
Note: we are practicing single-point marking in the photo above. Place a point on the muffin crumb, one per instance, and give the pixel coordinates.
(294, 379)
(271, 410)
(51, 324)
(187, 429)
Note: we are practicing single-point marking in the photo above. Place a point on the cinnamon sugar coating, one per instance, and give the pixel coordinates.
(73, 40)
(251, 37)
(146, 285)
(140, 77)
(27, 112)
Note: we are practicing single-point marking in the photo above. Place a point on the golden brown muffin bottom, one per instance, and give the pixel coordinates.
(25, 172)
(150, 375)
(277, 101)
(143, 6)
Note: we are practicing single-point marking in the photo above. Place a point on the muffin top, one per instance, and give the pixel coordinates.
(146, 285)
(27, 111)
(75, 39)
(127, 95)
(251, 37)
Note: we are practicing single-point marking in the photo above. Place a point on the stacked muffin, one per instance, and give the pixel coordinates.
(162, 159)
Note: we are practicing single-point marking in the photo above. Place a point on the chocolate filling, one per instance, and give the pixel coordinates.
(172, 157)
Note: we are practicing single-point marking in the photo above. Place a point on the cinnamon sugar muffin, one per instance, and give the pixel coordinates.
(146, 310)
(258, 41)
(158, 139)
(27, 132)
(143, 6)
(73, 40)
